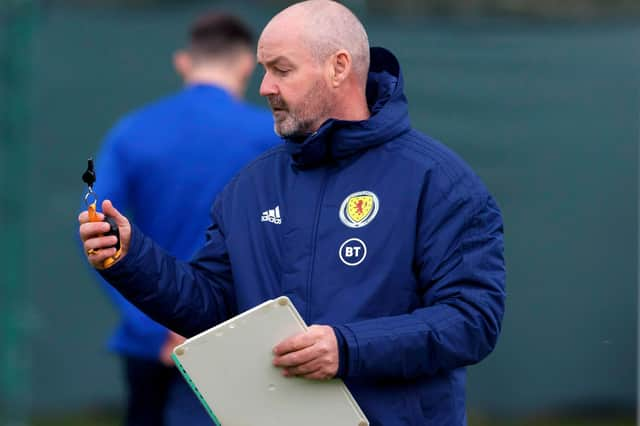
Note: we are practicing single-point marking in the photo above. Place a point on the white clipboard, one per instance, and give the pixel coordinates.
(230, 369)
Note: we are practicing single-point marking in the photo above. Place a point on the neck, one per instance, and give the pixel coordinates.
(218, 77)
(352, 106)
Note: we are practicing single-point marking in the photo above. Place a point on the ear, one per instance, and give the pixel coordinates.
(340, 68)
(182, 63)
(244, 65)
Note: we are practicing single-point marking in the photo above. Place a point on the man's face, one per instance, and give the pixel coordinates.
(294, 84)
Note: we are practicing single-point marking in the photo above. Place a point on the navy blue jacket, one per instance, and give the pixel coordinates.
(370, 227)
(156, 166)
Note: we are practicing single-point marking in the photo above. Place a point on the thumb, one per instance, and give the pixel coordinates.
(109, 210)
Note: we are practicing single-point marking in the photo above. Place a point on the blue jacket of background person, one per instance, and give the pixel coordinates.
(165, 164)
(368, 226)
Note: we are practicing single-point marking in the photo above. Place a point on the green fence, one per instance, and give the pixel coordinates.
(17, 20)
(547, 114)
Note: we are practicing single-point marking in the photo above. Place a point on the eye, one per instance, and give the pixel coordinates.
(280, 71)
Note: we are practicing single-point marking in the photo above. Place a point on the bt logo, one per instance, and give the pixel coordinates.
(352, 252)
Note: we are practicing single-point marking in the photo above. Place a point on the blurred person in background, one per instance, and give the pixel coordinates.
(384, 239)
(164, 164)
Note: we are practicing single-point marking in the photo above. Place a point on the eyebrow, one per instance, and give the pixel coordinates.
(274, 60)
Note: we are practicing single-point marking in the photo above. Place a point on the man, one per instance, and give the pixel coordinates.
(382, 237)
(164, 164)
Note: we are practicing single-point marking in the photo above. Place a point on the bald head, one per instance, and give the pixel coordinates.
(316, 59)
(325, 27)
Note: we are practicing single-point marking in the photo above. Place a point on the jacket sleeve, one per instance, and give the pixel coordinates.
(460, 268)
(114, 182)
(186, 297)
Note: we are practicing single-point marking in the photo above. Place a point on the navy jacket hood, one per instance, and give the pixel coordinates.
(339, 138)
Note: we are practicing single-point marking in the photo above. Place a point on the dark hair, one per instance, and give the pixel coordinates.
(217, 34)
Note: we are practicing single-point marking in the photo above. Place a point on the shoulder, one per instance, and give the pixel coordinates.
(428, 152)
(444, 170)
(165, 106)
(254, 115)
(254, 110)
(268, 162)
(140, 118)
(252, 175)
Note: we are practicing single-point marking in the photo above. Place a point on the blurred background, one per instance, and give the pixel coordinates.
(541, 97)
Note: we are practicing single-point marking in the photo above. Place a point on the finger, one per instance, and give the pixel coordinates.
(294, 343)
(111, 211)
(97, 259)
(95, 255)
(302, 369)
(100, 243)
(317, 373)
(292, 359)
(93, 229)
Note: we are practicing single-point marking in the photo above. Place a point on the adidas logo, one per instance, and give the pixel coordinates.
(272, 215)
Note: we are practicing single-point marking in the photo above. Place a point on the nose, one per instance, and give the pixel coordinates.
(268, 87)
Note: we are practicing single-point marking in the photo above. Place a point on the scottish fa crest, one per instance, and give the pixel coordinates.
(359, 208)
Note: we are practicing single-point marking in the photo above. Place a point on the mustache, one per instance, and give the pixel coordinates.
(276, 102)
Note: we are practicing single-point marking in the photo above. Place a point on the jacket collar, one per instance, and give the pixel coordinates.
(337, 139)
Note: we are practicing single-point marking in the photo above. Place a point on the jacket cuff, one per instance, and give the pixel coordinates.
(343, 354)
(127, 263)
(348, 351)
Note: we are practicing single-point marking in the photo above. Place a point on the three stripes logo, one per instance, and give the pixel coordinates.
(272, 215)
